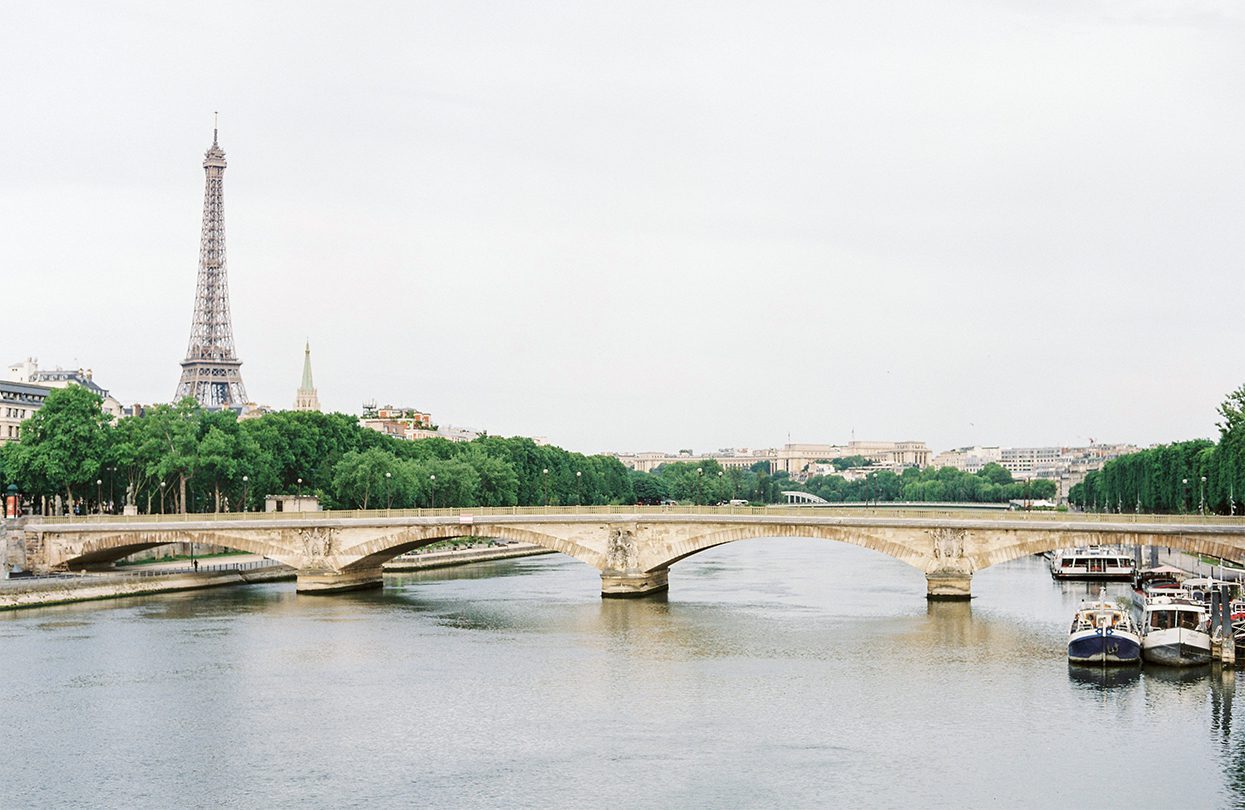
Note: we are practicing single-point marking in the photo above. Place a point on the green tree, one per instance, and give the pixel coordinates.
(359, 478)
(456, 483)
(63, 445)
(498, 482)
(994, 473)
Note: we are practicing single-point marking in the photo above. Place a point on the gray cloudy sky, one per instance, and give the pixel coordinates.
(648, 225)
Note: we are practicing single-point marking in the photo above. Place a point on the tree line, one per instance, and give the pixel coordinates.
(183, 458)
(1181, 477)
(706, 482)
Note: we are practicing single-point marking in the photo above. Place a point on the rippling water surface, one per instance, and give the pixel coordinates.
(794, 673)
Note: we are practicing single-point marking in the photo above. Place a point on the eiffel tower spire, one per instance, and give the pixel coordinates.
(211, 371)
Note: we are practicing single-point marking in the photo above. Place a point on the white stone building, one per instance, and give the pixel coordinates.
(26, 386)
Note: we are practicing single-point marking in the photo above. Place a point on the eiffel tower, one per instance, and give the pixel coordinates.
(211, 371)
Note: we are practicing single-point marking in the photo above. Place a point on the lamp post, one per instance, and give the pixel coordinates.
(544, 485)
(246, 480)
(162, 484)
(1201, 497)
(388, 492)
(99, 496)
(700, 471)
(1184, 493)
(300, 493)
(433, 479)
(579, 486)
(112, 480)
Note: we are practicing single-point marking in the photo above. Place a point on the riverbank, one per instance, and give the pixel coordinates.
(170, 577)
(62, 590)
(466, 556)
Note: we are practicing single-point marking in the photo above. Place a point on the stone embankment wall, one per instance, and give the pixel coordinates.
(43, 592)
(445, 559)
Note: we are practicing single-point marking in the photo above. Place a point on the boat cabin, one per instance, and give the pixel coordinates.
(1169, 614)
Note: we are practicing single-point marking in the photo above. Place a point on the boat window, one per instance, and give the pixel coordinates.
(1189, 620)
(1162, 619)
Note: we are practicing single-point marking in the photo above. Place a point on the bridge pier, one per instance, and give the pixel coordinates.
(948, 586)
(620, 584)
(327, 582)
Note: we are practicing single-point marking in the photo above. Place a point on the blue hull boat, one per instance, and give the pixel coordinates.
(1102, 646)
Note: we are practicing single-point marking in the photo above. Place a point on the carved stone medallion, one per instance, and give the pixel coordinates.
(620, 552)
(318, 545)
(948, 544)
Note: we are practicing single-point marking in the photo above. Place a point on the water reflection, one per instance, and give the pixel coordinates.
(1099, 677)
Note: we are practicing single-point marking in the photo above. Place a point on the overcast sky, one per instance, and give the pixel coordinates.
(635, 226)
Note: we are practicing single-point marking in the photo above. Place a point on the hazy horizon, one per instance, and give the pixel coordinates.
(649, 227)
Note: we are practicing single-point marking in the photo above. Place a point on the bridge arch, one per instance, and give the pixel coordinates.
(375, 552)
(107, 548)
(1027, 543)
(852, 536)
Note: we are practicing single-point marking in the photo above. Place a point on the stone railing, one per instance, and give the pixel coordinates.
(640, 512)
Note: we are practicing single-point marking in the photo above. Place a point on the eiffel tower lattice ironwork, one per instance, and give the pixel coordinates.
(211, 371)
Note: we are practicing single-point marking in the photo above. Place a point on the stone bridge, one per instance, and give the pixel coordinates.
(632, 547)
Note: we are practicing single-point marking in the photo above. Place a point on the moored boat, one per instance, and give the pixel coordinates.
(1164, 580)
(1103, 633)
(1094, 562)
(1175, 632)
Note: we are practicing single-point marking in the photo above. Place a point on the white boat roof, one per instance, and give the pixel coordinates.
(1163, 569)
(1173, 603)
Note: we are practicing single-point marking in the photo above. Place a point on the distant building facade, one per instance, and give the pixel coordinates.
(729, 458)
(18, 402)
(1067, 466)
(27, 386)
(799, 461)
(968, 459)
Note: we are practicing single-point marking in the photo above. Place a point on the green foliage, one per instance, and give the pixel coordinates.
(649, 490)
(63, 445)
(1166, 478)
(200, 457)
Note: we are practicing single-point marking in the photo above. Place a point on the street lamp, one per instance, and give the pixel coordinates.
(579, 487)
(699, 472)
(433, 479)
(1184, 493)
(388, 491)
(99, 495)
(1201, 497)
(544, 485)
(300, 492)
(162, 485)
(246, 480)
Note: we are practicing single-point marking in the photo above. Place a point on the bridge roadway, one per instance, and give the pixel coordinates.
(633, 547)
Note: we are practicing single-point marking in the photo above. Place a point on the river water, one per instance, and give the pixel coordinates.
(777, 673)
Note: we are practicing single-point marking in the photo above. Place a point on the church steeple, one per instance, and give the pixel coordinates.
(306, 399)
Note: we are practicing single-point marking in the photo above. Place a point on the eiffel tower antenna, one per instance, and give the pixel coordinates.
(211, 371)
